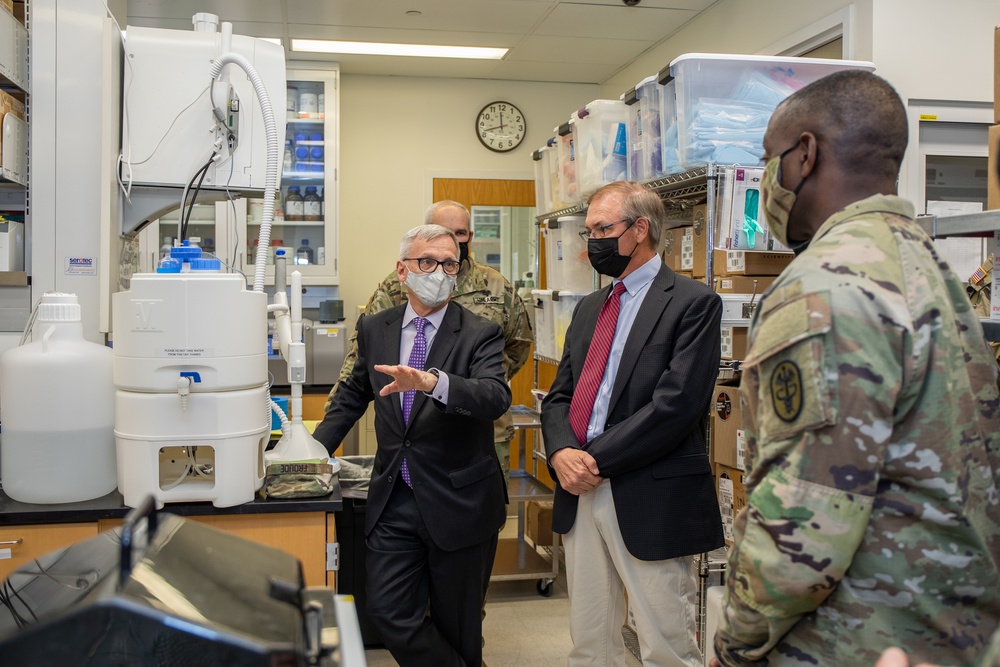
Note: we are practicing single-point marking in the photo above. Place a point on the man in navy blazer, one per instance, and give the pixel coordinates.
(634, 494)
(437, 496)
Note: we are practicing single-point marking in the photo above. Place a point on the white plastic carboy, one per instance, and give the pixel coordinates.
(57, 411)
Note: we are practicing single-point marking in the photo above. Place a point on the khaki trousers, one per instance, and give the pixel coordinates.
(599, 569)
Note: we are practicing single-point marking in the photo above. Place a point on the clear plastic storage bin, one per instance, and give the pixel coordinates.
(545, 323)
(543, 179)
(600, 140)
(567, 266)
(555, 172)
(563, 305)
(645, 159)
(568, 189)
(725, 101)
(668, 123)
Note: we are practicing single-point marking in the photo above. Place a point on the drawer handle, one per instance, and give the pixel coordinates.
(5, 543)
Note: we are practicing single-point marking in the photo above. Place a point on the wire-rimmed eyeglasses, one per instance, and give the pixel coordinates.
(601, 231)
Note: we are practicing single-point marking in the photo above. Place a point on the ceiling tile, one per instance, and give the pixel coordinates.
(620, 22)
(227, 10)
(576, 50)
(458, 15)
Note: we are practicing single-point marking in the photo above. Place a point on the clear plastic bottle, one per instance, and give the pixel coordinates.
(312, 205)
(294, 211)
(58, 411)
(289, 161)
(304, 255)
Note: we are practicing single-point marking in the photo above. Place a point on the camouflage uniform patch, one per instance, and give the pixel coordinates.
(485, 292)
(873, 509)
(304, 479)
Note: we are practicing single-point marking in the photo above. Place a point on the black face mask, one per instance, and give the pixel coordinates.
(463, 251)
(604, 257)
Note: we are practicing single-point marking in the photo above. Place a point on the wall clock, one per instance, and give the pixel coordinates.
(500, 126)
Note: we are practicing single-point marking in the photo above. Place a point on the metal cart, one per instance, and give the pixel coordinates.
(517, 558)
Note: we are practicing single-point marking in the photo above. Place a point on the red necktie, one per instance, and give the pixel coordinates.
(582, 404)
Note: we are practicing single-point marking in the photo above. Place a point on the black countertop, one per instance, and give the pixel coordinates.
(112, 506)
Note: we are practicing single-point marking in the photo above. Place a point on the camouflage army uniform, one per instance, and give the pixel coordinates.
(485, 292)
(873, 514)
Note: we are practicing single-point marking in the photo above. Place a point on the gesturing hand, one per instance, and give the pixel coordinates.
(576, 469)
(405, 379)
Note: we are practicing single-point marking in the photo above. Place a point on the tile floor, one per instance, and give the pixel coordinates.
(521, 628)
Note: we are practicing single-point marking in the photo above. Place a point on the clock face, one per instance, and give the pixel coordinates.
(501, 126)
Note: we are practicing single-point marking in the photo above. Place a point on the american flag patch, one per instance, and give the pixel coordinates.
(977, 275)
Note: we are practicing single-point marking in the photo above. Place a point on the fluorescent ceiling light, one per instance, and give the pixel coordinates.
(384, 49)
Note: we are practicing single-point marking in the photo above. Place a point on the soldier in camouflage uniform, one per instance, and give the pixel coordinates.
(871, 410)
(480, 289)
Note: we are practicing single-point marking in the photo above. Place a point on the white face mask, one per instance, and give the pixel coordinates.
(432, 289)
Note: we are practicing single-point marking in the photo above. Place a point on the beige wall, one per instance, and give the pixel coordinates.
(397, 133)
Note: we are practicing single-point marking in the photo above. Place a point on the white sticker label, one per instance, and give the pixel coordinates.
(727, 342)
(81, 266)
(687, 251)
(5, 554)
(726, 493)
(741, 444)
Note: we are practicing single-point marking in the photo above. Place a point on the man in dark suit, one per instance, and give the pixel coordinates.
(624, 428)
(437, 495)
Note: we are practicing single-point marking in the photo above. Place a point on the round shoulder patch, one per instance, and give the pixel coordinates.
(786, 391)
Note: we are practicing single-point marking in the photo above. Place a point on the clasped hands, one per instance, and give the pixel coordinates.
(576, 470)
(405, 379)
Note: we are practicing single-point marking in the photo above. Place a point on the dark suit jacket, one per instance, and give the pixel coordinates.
(653, 447)
(457, 481)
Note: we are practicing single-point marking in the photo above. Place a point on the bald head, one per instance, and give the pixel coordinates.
(857, 115)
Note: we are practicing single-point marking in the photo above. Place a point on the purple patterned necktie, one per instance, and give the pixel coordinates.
(418, 356)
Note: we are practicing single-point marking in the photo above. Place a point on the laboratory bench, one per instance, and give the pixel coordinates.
(303, 527)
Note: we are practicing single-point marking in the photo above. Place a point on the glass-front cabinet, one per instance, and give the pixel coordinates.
(305, 222)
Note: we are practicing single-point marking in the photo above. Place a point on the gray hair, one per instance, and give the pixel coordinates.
(425, 233)
(444, 203)
(637, 202)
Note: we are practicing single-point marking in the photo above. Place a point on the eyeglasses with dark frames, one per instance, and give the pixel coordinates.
(430, 265)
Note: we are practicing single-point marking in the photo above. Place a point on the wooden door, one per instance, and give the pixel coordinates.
(494, 192)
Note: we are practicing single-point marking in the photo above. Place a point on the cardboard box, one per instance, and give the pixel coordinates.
(732, 494)
(743, 284)
(671, 252)
(694, 243)
(993, 169)
(538, 521)
(734, 342)
(8, 5)
(728, 441)
(738, 262)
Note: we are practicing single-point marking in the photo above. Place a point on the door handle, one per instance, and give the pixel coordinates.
(11, 543)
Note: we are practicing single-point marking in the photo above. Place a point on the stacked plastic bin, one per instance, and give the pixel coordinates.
(600, 140)
(724, 102)
(645, 158)
(569, 278)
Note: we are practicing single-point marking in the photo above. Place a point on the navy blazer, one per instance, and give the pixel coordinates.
(653, 448)
(457, 479)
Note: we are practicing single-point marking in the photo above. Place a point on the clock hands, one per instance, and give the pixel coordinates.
(498, 127)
